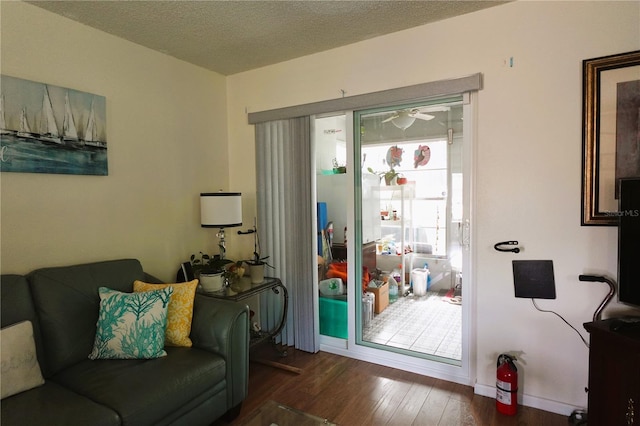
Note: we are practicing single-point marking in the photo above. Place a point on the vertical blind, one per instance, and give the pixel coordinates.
(285, 225)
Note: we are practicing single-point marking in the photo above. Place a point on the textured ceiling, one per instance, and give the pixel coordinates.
(234, 36)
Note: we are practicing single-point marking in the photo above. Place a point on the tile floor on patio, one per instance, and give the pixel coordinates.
(427, 324)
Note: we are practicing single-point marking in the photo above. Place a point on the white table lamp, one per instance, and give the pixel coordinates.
(220, 210)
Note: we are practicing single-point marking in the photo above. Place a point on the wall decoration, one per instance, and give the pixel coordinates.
(421, 156)
(394, 156)
(611, 133)
(51, 129)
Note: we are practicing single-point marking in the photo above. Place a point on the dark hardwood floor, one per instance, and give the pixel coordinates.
(351, 392)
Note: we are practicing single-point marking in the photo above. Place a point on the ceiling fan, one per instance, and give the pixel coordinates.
(404, 118)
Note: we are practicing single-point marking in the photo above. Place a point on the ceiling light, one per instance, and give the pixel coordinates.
(403, 120)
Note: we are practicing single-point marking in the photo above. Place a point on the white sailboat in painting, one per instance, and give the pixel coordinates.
(25, 130)
(48, 127)
(3, 123)
(69, 131)
(91, 132)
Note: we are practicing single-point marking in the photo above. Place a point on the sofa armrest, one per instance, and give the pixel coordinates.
(222, 326)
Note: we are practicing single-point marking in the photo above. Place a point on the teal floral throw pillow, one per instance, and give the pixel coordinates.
(131, 325)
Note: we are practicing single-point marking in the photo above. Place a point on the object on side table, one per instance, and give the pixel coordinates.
(212, 271)
(256, 272)
(257, 262)
(212, 281)
(220, 210)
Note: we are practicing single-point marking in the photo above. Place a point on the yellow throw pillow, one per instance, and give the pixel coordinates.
(180, 312)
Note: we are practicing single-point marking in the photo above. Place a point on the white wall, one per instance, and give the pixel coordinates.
(528, 169)
(167, 142)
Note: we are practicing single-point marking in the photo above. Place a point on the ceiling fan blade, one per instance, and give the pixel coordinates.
(435, 108)
(422, 116)
(393, 117)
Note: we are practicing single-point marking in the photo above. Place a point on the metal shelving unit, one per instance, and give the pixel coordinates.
(400, 197)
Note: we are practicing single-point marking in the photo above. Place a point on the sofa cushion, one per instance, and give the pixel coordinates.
(16, 306)
(146, 391)
(54, 405)
(180, 314)
(20, 368)
(67, 303)
(131, 325)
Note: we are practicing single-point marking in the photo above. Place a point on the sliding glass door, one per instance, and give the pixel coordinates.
(411, 230)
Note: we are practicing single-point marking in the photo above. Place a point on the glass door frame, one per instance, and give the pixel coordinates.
(464, 373)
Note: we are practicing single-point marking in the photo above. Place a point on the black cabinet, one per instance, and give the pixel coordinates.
(614, 375)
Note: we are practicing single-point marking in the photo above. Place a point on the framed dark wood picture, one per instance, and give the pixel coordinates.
(611, 133)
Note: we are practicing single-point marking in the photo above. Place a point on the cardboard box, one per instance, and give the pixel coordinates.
(382, 297)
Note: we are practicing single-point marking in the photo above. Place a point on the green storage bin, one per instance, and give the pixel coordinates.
(333, 317)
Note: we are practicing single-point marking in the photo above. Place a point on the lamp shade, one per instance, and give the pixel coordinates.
(220, 209)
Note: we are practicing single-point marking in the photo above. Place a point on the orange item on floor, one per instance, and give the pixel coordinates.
(339, 270)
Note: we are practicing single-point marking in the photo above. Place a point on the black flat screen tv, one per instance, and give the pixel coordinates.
(629, 242)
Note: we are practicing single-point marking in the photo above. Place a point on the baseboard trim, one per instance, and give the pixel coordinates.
(531, 401)
(332, 342)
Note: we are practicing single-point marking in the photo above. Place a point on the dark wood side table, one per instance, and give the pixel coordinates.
(614, 375)
(244, 289)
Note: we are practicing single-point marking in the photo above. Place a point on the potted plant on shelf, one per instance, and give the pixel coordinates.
(210, 270)
(389, 176)
(257, 262)
(338, 168)
(393, 159)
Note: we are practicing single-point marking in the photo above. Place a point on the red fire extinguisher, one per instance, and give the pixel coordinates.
(507, 385)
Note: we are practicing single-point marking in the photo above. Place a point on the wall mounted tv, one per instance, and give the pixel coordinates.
(629, 242)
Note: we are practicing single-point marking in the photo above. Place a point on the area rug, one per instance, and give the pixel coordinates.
(450, 293)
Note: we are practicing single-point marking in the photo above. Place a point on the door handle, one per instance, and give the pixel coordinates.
(466, 234)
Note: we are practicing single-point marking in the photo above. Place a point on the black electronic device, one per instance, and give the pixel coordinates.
(534, 279)
(624, 323)
(629, 242)
(185, 273)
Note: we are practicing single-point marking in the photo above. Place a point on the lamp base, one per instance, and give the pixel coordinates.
(222, 245)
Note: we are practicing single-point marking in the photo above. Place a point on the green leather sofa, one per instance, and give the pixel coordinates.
(189, 386)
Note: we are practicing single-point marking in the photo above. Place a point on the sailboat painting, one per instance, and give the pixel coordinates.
(51, 129)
